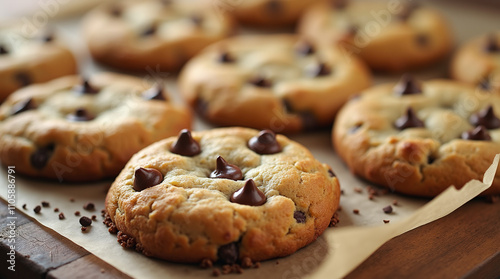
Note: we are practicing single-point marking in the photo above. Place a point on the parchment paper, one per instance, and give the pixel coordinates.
(318, 260)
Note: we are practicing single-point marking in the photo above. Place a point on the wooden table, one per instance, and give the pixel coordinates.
(464, 244)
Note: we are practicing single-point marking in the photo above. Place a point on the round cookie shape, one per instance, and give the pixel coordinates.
(151, 34)
(26, 60)
(391, 36)
(268, 13)
(420, 144)
(478, 62)
(276, 82)
(73, 129)
(283, 201)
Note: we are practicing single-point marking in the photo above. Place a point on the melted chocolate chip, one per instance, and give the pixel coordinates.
(304, 48)
(491, 44)
(299, 216)
(409, 120)
(274, 7)
(85, 88)
(261, 82)
(228, 254)
(3, 50)
(186, 145)
(319, 70)
(339, 4)
(265, 143)
(249, 194)
(331, 173)
(225, 57)
(155, 93)
(486, 118)
(85, 221)
(80, 114)
(407, 11)
(226, 170)
(430, 160)
(149, 31)
(41, 156)
(479, 133)
(23, 78)
(422, 40)
(145, 178)
(407, 86)
(23, 106)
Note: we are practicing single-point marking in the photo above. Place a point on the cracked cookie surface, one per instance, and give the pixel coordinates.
(276, 82)
(75, 130)
(179, 207)
(418, 138)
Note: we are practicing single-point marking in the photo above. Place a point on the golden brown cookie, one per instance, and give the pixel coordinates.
(276, 82)
(135, 35)
(222, 195)
(390, 36)
(75, 130)
(418, 138)
(31, 57)
(478, 62)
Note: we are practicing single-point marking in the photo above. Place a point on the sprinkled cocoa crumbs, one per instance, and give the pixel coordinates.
(334, 220)
(246, 262)
(109, 223)
(45, 204)
(206, 263)
(37, 209)
(61, 216)
(355, 211)
(125, 240)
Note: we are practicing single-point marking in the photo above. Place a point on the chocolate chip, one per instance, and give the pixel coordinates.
(154, 93)
(274, 6)
(186, 145)
(387, 209)
(37, 209)
(80, 114)
(56, 209)
(246, 262)
(430, 160)
(3, 50)
(486, 118)
(41, 156)
(226, 170)
(422, 40)
(331, 173)
(386, 221)
(61, 216)
(94, 218)
(355, 211)
(77, 213)
(149, 31)
(23, 78)
(318, 70)
(23, 106)
(299, 216)
(89, 206)
(339, 4)
(479, 133)
(249, 194)
(304, 48)
(85, 88)
(85, 221)
(261, 82)
(196, 19)
(225, 57)
(228, 254)
(491, 44)
(45, 204)
(409, 120)
(407, 11)
(25, 207)
(407, 86)
(265, 143)
(145, 178)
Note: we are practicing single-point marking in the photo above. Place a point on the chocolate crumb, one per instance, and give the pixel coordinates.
(226, 269)
(387, 209)
(395, 202)
(236, 268)
(45, 204)
(125, 240)
(94, 218)
(386, 221)
(206, 263)
(24, 207)
(340, 208)
(61, 216)
(89, 206)
(72, 199)
(83, 229)
(56, 209)
(113, 229)
(342, 191)
(37, 209)
(85, 221)
(103, 213)
(358, 190)
(246, 262)
(355, 211)
(77, 213)
(370, 197)
(216, 272)
(334, 220)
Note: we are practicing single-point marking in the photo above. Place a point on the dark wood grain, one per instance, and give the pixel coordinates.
(89, 266)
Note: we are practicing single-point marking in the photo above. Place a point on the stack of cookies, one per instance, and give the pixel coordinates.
(245, 192)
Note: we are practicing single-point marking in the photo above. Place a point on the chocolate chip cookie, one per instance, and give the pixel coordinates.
(72, 129)
(222, 195)
(419, 137)
(277, 82)
(266, 13)
(27, 58)
(478, 62)
(388, 35)
(138, 35)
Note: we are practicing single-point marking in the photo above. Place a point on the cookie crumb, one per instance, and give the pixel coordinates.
(355, 211)
(24, 207)
(216, 272)
(94, 218)
(77, 213)
(246, 262)
(84, 229)
(236, 268)
(56, 209)
(334, 220)
(61, 216)
(37, 209)
(45, 204)
(103, 213)
(125, 240)
(358, 190)
(206, 263)
(89, 206)
(386, 221)
(387, 209)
